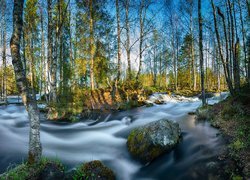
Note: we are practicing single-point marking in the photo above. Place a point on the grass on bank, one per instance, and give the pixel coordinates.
(232, 117)
(27, 171)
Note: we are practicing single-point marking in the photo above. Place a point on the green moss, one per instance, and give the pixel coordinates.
(232, 116)
(94, 170)
(228, 111)
(27, 171)
(236, 146)
(131, 135)
(154, 152)
(19, 172)
(235, 177)
(140, 149)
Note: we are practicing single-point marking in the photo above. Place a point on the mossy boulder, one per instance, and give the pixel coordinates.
(94, 170)
(148, 142)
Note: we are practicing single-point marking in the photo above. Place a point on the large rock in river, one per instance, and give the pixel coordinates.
(94, 170)
(152, 140)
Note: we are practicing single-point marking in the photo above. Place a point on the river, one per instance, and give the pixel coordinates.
(105, 139)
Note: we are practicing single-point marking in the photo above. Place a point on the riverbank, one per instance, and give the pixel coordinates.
(54, 169)
(91, 104)
(96, 102)
(232, 117)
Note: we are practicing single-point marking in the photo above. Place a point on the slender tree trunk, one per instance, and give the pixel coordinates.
(4, 80)
(174, 46)
(218, 78)
(71, 56)
(232, 43)
(229, 34)
(243, 37)
(35, 149)
(206, 65)
(24, 54)
(218, 68)
(237, 66)
(128, 37)
(52, 64)
(236, 51)
(118, 40)
(160, 70)
(60, 44)
(32, 65)
(43, 79)
(166, 71)
(141, 38)
(92, 48)
(177, 61)
(192, 54)
(155, 66)
(227, 76)
(227, 42)
(201, 53)
(234, 19)
(175, 69)
(194, 68)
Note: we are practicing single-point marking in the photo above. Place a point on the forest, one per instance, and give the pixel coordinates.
(110, 64)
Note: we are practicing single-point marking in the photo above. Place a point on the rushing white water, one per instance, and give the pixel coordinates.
(105, 140)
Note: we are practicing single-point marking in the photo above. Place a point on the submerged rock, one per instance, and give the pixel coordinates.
(191, 113)
(148, 142)
(159, 101)
(95, 170)
(158, 98)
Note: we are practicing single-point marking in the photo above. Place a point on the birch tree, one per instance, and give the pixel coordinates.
(4, 62)
(118, 39)
(52, 64)
(128, 48)
(35, 148)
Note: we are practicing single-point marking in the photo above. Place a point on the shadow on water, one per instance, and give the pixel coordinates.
(105, 140)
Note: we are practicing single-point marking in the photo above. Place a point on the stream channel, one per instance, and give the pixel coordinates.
(105, 139)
